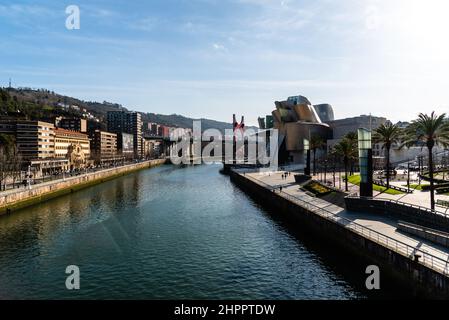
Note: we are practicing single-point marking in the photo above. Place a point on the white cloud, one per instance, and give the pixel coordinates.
(219, 47)
(22, 9)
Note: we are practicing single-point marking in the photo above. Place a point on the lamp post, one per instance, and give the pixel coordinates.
(29, 177)
(339, 177)
(307, 157)
(325, 170)
(333, 173)
(408, 176)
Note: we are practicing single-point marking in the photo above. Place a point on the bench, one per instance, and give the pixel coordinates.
(443, 203)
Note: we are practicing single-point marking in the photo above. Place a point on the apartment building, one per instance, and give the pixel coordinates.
(67, 142)
(34, 139)
(126, 122)
(103, 145)
(74, 124)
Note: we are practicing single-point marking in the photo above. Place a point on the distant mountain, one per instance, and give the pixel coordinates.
(46, 105)
(184, 122)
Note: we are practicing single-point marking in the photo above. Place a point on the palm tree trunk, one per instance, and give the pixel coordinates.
(388, 167)
(432, 191)
(346, 175)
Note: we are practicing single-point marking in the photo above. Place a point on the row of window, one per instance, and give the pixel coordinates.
(71, 141)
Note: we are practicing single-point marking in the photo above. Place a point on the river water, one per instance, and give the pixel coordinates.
(165, 233)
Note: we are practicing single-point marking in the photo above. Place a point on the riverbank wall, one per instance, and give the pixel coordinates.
(13, 200)
(424, 280)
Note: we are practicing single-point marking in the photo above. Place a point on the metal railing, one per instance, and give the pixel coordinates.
(383, 184)
(425, 258)
(406, 204)
(68, 177)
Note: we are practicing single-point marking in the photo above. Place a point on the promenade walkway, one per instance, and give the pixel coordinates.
(378, 228)
(417, 198)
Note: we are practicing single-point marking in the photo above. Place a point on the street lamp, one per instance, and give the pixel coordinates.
(29, 177)
(408, 176)
(325, 170)
(307, 156)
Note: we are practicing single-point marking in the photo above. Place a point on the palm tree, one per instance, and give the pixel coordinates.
(429, 130)
(353, 138)
(345, 148)
(387, 135)
(316, 143)
(333, 158)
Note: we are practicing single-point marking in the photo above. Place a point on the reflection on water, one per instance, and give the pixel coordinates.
(165, 232)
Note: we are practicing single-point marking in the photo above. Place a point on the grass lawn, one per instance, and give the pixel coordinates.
(317, 188)
(355, 179)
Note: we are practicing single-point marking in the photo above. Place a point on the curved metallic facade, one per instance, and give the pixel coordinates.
(297, 119)
(298, 100)
(325, 112)
(306, 113)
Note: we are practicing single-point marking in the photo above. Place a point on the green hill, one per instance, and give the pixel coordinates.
(42, 104)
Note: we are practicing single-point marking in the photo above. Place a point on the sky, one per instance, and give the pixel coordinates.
(213, 58)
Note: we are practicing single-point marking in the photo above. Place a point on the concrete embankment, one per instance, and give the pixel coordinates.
(395, 258)
(17, 199)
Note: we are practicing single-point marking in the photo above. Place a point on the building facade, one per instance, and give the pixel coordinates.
(74, 124)
(34, 139)
(127, 122)
(151, 129)
(342, 127)
(148, 148)
(163, 131)
(325, 112)
(74, 146)
(125, 145)
(297, 121)
(103, 145)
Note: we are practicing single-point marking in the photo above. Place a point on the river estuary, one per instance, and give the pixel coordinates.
(166, 233)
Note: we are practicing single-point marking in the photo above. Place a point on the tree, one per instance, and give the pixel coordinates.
(15, 161)
(333, 155)
(429, 130)
(387, 135)
(345, 148)
(3, 166)
(353, 139)
(316, 143)
(7, 141)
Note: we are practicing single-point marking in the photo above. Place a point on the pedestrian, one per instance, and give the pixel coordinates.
(280, 189)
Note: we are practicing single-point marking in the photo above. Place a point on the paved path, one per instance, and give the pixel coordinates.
(417, 198)
(379, 224)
